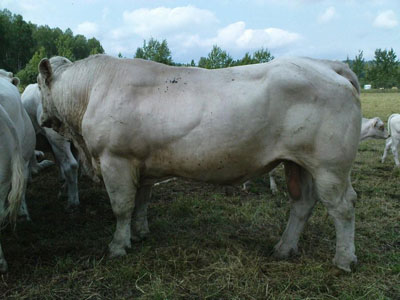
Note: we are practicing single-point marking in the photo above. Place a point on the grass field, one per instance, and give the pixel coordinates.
(207, 245)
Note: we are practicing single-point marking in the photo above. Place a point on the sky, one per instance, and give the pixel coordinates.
(316, 28)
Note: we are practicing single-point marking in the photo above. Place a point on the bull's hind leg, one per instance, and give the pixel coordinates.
(338, 196)
(303, 199)
(140, 226)
(121, 180)
(23, 213)
(394, 146)
(388, 144)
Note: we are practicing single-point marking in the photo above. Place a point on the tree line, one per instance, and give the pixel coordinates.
(23, 45)
(382, 72)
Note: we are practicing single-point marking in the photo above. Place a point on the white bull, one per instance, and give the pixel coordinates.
(137, 122)
(12, 164)
(26, 135)
(393, 141)
(61, 148)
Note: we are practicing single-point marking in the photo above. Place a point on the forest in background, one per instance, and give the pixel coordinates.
(23, 45)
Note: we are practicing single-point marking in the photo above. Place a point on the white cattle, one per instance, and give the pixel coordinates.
(393, 141)
(136, 122)
(13, 106)
(61, 148)
(12, 163)
(373, 129)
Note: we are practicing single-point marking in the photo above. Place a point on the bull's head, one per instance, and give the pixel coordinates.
(10, 76)
(45, 80)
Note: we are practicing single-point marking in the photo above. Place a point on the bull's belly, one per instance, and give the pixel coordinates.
(219, 169)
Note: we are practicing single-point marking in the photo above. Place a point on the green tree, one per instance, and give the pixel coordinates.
(65, 45)
(46, 37)
(155, 51)
(16, 42)
(94, 46)
(29, 73)
(358, 66)
(246, 60)
(5, 40)
(216, 59)
(262, 56)
(383, 71)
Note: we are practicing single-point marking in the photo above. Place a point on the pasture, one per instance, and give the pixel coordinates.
(207, 244)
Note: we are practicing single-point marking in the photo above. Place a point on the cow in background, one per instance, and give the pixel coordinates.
(393, 141)
(67, 163)
(13, 158)
(373, 129)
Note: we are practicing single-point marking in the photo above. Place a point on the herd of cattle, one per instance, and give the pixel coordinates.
(135, 123)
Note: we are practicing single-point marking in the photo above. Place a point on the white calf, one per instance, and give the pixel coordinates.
(393, 141)
(61, 147)
(373, 129)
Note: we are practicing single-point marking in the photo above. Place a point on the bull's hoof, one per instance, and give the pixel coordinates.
(72, 208)
(139, 236)
(344, 263)
(116, 251)
(39, 155)
(45, 164)
(24, 218)
(282, 251)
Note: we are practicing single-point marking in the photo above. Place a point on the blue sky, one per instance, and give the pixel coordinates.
(315, 28)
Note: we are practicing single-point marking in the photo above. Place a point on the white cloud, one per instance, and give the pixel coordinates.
(327, 15)
(88, 29)
(237, 36)
(162, 21)
(386, 19)
(193, 30)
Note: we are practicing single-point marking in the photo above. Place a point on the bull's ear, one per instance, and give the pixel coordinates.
(45, 70)
(15, 81)
(375, 122)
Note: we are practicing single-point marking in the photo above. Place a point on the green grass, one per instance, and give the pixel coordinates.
(207, 245)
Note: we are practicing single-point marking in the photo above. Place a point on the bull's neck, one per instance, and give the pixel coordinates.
(72, 95)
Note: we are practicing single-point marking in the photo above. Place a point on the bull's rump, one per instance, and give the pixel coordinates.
(224, 125)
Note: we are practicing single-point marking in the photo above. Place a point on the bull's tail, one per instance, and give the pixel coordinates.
(17, 175)
(388, 123)
(17, 186)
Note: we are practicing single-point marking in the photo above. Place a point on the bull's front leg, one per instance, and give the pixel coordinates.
(121, 180)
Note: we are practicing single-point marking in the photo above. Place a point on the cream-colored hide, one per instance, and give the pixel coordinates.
(65, 160)
(370, 129)
(137, 122)
(12, 164)
(394, 140)
(26, 135)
